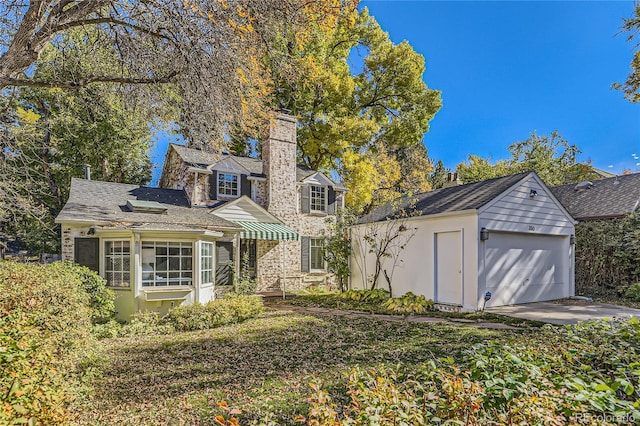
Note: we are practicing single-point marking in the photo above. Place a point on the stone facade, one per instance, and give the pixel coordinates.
(69, 234)
(280, 194)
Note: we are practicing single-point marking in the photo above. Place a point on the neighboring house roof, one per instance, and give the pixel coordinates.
(105, 203)
(471, 196)
(603, 199)
(199, 158)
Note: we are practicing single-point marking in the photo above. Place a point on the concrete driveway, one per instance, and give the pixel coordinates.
(565, 311)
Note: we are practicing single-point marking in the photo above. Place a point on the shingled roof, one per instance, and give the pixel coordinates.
(604, 199)
(105, 204)
(200, 158)
(456, 198)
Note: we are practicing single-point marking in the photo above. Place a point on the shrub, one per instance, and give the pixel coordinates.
(409, 303)
(633, 292)
(45, 322)
(562, 376)
(231, 309)
(101, 298)
(376, 295)
(607, 253)
(245, 284)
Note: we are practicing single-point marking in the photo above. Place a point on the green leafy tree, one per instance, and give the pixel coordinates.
(357, 95)
(439, 177)
(337, 246)
(631, 86)
(551, 157)
(53, 133)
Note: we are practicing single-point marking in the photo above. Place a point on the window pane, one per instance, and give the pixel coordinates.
(117, 263)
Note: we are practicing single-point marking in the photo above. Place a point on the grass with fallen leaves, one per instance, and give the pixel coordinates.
(261, 368)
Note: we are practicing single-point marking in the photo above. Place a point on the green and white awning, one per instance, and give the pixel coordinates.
(266, 231)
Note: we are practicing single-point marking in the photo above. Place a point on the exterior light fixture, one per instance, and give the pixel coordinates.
(484, 234)
(91, 231)
(533, 193)
(572, 240)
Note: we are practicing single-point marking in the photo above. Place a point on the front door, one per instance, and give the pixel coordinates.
(448, 267)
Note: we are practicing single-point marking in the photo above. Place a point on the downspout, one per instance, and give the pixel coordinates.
(195, 189)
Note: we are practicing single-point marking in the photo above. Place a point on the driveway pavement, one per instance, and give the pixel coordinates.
(565, 311)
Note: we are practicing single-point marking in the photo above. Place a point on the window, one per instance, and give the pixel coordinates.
(166, 263)
(227, 184)
(315, 253)
(206, 263)
(318, 199)
(117, 263)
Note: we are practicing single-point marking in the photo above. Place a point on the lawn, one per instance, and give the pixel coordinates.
(263, 367)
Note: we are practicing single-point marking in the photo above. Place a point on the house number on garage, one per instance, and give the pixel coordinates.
(532, 228)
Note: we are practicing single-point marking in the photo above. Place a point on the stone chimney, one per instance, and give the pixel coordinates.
(279, 164)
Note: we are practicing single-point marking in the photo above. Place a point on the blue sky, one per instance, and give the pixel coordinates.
(507, 69)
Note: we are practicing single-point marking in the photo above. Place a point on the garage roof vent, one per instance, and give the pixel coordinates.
(583, 185)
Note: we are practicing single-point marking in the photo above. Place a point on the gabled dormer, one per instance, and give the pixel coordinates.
(320, 195)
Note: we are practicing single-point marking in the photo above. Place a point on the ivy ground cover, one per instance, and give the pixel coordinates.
(323, 369)
(262, 367)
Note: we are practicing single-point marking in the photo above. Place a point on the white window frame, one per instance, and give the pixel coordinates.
(204, 259)
(221, 185)
(159, 276)
(320, 191)
(105, 261)
(316, 243)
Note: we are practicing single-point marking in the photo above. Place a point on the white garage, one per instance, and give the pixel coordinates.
(507, 236)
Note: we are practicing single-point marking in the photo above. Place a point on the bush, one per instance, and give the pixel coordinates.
(562, 376)
(231, 309)
(607, 253)
(376, 295)
(245, 284)
(45, 322)
(409, 303)
(633, 292)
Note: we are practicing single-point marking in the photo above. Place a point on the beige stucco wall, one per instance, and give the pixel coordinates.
(414, 270)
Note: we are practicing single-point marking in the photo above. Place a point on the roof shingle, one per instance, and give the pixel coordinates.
(451, 199)
(106, 203)
(607, 198)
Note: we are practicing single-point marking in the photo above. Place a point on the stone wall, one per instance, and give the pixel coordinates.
(69, 234)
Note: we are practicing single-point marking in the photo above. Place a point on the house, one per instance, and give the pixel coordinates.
(256, 193)
(609, 198)
(508, 236)
(152, 248)
(180, 243)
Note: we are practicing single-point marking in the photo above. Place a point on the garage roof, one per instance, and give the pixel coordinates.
(456, 198)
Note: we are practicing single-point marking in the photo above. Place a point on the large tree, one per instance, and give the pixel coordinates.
(361, 100)
(53, 134)
(552, 157)
(631, 86)
(81, 81)
(208, 49)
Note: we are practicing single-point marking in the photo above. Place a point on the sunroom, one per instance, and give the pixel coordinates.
(152, 248)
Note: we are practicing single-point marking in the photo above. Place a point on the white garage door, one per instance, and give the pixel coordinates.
(524, 268)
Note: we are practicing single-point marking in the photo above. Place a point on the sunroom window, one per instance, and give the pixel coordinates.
(167, 264)
(206, 263)
(117, 263)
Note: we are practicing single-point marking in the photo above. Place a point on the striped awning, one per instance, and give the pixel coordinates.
(266, 231)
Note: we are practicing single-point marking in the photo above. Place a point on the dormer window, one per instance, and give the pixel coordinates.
(318, 199)
(228, 184)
